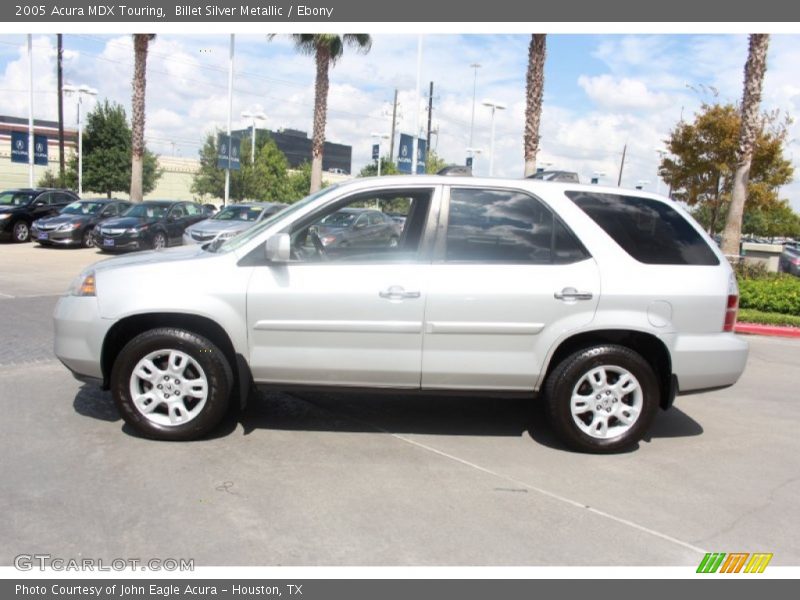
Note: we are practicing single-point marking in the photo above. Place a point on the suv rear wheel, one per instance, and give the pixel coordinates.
(171, 384)
(602, 399)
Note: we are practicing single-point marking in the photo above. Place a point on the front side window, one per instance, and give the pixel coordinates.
(343, 233)
(650, 231)
(15, 199)
(193, 210)
(506, 226)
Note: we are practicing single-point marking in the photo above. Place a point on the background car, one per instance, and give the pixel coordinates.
(352, 227)
(231, 220)
(19, 208)
(152, 224)
(789, 261)
(74, 225)
(209, 209)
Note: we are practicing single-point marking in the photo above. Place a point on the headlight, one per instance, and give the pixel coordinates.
(137, 230)
(83, 285)
(5, 216)
(328, 239)
(67, 226)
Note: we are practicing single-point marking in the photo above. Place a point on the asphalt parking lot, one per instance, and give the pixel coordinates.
(389, 480)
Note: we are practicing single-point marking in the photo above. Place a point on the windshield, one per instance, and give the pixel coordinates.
(247, 235)
(82, 208)
(148, 211)
(338, 219)
(238, 213)
(15, 198)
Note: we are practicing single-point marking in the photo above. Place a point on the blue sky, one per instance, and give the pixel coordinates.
(601, 91)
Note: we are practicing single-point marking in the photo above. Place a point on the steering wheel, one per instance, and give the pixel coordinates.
(318, 245)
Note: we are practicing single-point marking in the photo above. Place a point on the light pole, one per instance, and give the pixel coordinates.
(80, 91)
(661, 154)
(379, 137)
(253, 116)
(474, 66)
(495, 106)
(473, 152)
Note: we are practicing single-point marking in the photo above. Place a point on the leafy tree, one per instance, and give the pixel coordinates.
(771, 220)
(387, 168)
(754, 70)
(702, 160)
(107, 154)
(50, 179)
(534, 89)
(434, 163)
(327, 49)
(141, 42)
(300, 183)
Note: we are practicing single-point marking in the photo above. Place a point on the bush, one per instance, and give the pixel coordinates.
(776, 294)
(752, 270)
(748, 315)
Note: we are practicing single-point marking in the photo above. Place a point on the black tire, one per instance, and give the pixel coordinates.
(563, 380)
(87, 239)
(159, 240)
(216, 367)
(21, 232)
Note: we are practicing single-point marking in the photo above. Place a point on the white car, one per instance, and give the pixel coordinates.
(604, 303)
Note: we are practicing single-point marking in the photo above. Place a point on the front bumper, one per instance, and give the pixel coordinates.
(62, 238)
(79, 335)
(121, 243)
(708, 361)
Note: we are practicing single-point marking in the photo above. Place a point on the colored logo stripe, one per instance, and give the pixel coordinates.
(758, 562)
(734, 562)
(711, 562)
(717, 561)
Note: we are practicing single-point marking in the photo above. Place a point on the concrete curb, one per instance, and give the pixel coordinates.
(769, 330)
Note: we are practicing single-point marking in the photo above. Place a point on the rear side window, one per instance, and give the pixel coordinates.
(506, 226)
(650, 231)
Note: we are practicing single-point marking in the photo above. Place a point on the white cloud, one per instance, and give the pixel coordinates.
(622, 93)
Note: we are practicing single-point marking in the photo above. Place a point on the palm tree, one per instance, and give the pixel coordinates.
(534, 87)
(754, 70)
(326, 49)
(141, 42)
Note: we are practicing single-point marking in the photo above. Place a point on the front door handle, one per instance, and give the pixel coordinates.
(397, 292)
(570, 293)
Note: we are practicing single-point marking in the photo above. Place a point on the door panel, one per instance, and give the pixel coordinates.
(329, 324)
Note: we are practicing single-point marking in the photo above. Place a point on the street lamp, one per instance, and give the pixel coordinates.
(473, 152)
(641, 183)
(261, 117)
(495, 106)
(80, 91)
(474, 66)
(379, 137)
(596, 175)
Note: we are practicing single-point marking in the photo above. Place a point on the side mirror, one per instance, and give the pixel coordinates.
(277, 248)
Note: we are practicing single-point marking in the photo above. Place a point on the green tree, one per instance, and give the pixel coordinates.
(300, 183)
(771, 220)
(107, 154)
(754, 70)
(434, 163)
(387, 168)
(327, 49)
(702, 160)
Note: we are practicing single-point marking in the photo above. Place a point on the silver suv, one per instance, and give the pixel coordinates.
(604, 303)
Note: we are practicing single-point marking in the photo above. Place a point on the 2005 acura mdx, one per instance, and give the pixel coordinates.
(603, 302)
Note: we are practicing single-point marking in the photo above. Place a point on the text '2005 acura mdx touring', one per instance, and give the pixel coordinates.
(604, 303)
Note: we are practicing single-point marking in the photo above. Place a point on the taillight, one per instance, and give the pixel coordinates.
(795, 261)
(732, 306)
(730, 312)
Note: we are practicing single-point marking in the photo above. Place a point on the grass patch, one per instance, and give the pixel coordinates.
(749, 315)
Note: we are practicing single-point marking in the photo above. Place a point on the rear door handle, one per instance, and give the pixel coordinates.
(397, 292)
(570, 293)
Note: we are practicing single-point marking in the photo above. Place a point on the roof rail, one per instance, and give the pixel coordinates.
(455, 171)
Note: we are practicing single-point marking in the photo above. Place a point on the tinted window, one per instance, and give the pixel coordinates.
(193, 210)
(506, 227)
(650, 231)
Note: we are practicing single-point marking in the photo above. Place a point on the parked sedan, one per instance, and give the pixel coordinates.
(20, 207)
(75, 224)
(789, 261)
(154, 224)
(231, 220)
(353, 227)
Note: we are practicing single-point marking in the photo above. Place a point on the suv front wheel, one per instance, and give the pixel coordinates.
(602, 399)
(171, 384)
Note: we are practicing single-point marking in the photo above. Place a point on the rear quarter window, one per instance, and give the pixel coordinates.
(650, 231)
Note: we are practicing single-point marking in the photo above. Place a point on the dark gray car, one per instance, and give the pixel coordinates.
(74, 225)
(353, 227)
(789, 261)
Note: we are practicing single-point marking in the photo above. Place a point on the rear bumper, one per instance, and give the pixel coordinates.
(709, 361)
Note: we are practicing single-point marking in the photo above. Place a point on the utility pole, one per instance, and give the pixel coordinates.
(622, 165)
(430, 116)
(394, 123)
(61, 110)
